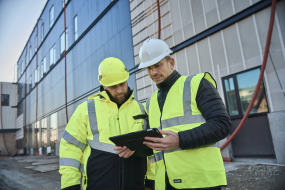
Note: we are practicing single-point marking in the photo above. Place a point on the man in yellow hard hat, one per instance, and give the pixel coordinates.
(192, 118)
(87, 157)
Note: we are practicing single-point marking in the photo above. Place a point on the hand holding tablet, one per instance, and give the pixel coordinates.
(134, 140)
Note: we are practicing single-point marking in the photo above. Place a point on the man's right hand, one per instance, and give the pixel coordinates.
(124, 151)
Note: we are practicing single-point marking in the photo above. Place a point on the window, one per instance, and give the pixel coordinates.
(52, 56)
(53, 132)
(20, 67)
(231, 96)
(62, 40)
(36, 43)
(5, 99)
(30, 82)
(42, 31)
(19, 71)
(30, 52)
(44, 63)
(38, 132)
(239, 89)
(23, 66)
(53, 127)
(44, 132)
(41, 70)
(51, 16)
(75, 28)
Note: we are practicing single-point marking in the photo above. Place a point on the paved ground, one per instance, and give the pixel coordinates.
(29, 173)
(255, 176)
(34, 173)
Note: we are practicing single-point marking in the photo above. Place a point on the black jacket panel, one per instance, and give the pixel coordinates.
(217, 119)
(74, 187)
(107, 171)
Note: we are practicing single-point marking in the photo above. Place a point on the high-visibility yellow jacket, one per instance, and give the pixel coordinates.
(191, 168)
(87, 156)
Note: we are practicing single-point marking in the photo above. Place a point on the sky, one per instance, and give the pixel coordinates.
(17, 20)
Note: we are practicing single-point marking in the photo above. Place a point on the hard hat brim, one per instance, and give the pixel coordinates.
(154, 61)
(124, 79)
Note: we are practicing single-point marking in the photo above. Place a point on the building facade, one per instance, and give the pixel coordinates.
(224, 37)
(8, 115)
(94, 30)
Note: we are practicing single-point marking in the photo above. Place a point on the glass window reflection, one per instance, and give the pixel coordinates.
(247, 83)
(231, 96)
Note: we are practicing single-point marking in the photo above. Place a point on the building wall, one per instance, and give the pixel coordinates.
(104, 30)
(9, 113)
(8, 116)
(233, 49)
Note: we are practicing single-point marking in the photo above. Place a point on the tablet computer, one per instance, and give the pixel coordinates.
(134, 140)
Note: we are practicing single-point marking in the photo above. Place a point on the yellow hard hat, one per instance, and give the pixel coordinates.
(112, 71)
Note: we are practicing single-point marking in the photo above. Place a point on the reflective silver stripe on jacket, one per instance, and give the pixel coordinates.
(147, 105)
(159, 155)
(69, 162)
(188, 117)
(82, 168)
(143, 112)
(95, 143)
(72, 140)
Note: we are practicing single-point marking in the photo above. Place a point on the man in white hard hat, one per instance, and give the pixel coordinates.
(88, 159)
(192, 117)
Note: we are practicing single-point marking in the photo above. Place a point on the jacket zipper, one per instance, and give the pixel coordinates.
(120, 160)
(166, 175)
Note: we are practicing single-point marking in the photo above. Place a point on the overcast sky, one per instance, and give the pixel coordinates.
(17, 20)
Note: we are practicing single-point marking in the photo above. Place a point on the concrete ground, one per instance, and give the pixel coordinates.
(34, 173)
(29, 172)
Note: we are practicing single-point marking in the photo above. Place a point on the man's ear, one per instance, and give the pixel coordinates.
(172, 63)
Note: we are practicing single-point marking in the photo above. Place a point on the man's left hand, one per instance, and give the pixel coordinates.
(170, 141)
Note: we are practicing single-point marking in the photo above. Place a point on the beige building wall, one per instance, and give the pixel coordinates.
(236, 48)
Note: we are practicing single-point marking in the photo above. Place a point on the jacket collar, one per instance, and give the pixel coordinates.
(104, 96)
(169, 81)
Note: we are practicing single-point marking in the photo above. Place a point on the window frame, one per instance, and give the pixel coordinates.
(42, 31)
(62, 40)
(75, 25)
(30, 52)
(44, 63)
(8, 95)
(237, 95)
(52, 49)
(23, 67)
(51, 16)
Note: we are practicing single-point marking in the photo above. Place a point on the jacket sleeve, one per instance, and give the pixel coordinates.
(71, 148)
(217, 119)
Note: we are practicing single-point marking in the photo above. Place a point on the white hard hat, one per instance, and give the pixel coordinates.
(152, 52)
